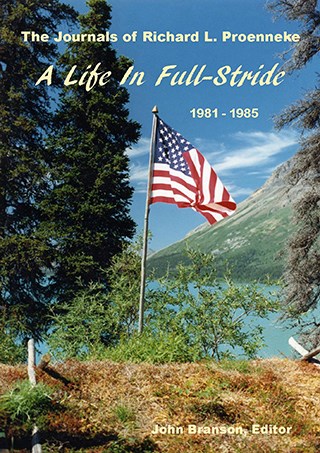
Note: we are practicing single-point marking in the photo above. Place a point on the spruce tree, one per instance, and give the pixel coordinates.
(302, 277)
(88, 209)
(25, 120)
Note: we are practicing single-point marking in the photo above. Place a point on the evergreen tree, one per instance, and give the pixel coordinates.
(302, 277)
(24, 119)
(88, 210)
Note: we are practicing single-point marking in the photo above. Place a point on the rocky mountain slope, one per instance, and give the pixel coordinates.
(253, 241)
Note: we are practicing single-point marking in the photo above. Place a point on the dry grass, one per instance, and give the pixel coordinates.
(109, 407)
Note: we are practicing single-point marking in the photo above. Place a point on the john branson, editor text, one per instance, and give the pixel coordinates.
(221, 429)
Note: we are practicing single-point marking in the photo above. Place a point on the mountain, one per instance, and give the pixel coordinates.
(252, 241)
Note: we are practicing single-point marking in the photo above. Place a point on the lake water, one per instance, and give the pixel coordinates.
(276, 335)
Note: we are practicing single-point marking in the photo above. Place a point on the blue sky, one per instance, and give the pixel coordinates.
(244, 152)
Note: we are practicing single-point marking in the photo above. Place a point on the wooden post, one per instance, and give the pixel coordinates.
(146, 221)
(31, 362)
(36, 445)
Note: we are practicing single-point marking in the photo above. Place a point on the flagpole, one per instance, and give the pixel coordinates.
(146, 220)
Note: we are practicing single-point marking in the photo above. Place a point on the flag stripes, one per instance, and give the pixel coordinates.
(182, 176)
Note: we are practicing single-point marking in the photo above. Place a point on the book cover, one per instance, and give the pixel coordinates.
(222, 94)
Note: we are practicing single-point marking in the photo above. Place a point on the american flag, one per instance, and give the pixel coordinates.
(182, 176)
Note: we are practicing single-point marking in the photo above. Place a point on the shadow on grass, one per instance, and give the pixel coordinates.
(213, 408)
(54, 374)
(63, 442)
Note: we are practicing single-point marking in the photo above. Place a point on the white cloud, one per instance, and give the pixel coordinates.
(261, 147)
(141, 186)
(142, 147)
(138, 172)
(212, 147)
(237, 191)
(141, 189)
(255, 153)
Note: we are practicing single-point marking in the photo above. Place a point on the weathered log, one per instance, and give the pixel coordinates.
(44, 362)
(311, 354)
(306, 355)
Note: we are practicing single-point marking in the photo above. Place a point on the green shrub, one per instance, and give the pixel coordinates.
(97, 318)
(124, 413)
(190, 315)
(159, 348)
(83, 325)
(11, 352)
(242, 366)
(25, 404)
(218, 318)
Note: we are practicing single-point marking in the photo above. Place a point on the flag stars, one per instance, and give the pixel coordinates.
(170, 148)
